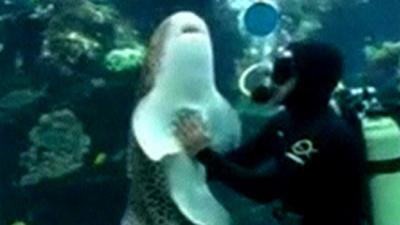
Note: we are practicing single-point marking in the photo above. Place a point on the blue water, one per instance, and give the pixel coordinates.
(348, 28)
(96, 194)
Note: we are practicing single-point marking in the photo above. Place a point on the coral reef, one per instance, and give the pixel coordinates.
(59, 145)
(386, 54)
(382, 64)
(301, 19)
(81, 33)
(84, 56)
(119, 60)
(72, 47)
(383, 71)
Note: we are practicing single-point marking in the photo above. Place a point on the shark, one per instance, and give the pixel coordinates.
(168, 187)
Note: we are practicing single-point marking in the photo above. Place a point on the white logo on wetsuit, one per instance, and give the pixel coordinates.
(301, 151)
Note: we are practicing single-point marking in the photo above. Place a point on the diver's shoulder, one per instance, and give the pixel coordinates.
(332, 123)
(342, 128)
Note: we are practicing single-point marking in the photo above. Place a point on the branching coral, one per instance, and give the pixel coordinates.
(59, 146)
(119, 60)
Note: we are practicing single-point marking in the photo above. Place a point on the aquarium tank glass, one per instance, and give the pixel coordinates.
(97, 98)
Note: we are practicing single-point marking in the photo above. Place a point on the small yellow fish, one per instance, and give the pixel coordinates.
(100, 159)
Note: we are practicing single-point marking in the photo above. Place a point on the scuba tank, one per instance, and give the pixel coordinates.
(382, 138)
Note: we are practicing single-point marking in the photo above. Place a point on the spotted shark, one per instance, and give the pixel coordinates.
(167, 186)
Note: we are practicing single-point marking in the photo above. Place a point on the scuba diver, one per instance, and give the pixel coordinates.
(307, 155)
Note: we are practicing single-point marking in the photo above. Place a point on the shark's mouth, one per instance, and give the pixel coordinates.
(191, 29)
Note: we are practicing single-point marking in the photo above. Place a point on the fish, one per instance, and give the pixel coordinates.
(19, 98)
(168, 187)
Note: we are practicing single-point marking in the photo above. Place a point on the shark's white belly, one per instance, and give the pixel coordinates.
(187, 180)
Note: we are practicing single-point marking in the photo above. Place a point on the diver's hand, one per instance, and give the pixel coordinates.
(191, 132)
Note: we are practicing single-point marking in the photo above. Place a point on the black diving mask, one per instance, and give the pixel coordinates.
(284, 67)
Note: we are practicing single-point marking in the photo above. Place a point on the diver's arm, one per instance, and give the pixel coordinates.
(263, 183)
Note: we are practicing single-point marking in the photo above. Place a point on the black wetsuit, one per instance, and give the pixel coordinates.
(307, 156)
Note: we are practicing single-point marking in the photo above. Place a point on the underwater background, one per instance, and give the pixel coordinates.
(69, 74)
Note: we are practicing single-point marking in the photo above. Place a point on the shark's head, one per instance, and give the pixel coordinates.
(180, 52)
(181, 74)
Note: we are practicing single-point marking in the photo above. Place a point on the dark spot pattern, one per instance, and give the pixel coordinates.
(149, 200)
